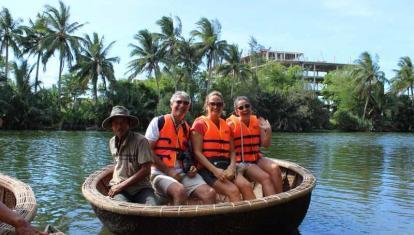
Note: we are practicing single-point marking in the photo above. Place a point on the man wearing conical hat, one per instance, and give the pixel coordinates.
(133, 158)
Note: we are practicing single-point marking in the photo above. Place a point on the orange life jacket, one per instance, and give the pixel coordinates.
(171, 141)
(250, 143)
(216, 142)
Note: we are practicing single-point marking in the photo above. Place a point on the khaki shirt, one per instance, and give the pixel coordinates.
(132, 153)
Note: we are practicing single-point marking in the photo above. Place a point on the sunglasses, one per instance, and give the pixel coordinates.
(184, 102)
(245, 106)
(216, 104)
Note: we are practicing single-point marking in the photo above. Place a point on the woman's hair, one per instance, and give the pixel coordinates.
(239, 98)
(213, 93)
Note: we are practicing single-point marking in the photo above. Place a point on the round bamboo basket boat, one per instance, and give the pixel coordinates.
(19, 197)
(277, 214)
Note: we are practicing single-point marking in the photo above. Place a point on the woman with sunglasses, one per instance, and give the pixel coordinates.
(213, 149)
(250, 133)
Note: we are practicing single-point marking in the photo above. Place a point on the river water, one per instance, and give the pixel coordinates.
(365, 180)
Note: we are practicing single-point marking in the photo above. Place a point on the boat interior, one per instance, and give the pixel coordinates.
(291, 179)
(7, 197)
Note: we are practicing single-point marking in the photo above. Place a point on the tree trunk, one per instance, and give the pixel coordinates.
(366, 102)
(157, 77)
(7, 60)
(208, 81)
(59, 79)
(209, 67)
(365, 108)
(99, 73)
(104, 84)
(232, 84)
(95, 91)
(187, 87)
(74, 102)
(37, 72)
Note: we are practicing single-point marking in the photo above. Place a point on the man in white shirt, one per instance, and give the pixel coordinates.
(168, 136)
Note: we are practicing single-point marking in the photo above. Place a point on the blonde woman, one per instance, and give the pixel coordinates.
(213, 149)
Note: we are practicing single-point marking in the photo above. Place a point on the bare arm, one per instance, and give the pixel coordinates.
(143, 172)
(21, 226)
(231, 169)
(265, 132)
(197, 141)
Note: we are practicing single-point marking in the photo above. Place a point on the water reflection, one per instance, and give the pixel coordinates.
(365, 180)
(359, 189)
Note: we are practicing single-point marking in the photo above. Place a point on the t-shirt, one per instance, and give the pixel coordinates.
(153, 133)
(133, 151)
(153, 130)
(200, 127)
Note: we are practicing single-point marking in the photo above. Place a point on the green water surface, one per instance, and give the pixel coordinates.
(365, 180)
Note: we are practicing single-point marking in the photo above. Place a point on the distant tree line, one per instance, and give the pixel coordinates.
(354, 98)
(360, 101)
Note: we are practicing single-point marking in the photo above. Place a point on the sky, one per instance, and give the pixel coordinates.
(324, 30)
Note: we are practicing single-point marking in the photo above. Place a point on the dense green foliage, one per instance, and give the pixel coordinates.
(353, 98)
(359, 100)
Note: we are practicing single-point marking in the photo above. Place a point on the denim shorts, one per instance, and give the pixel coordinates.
(208, 176)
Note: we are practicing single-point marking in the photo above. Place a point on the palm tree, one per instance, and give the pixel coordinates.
(59, 37)
(73, 87)
(255, 53)
(2, 75)
(149, 55)
(177, 74)
(170, 36)
(94, 62)
(234, 66)
(10, 36)
(210, 44)
(22, 76)
(32, 42)
(367, 74)
(189, 58)
(21, 101)
(25, 108)
(404, 78)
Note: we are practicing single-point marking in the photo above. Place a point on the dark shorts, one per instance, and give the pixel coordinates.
(144, 196)
(208, 176)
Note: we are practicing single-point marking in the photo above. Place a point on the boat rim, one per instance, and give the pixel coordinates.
(98, 200)
(24, 196)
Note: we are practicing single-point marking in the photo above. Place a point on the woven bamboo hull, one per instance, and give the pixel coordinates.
(19, 197)
(276, 214)
(281, 219)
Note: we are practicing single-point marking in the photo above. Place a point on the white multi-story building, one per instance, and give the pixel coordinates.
(313, 71)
